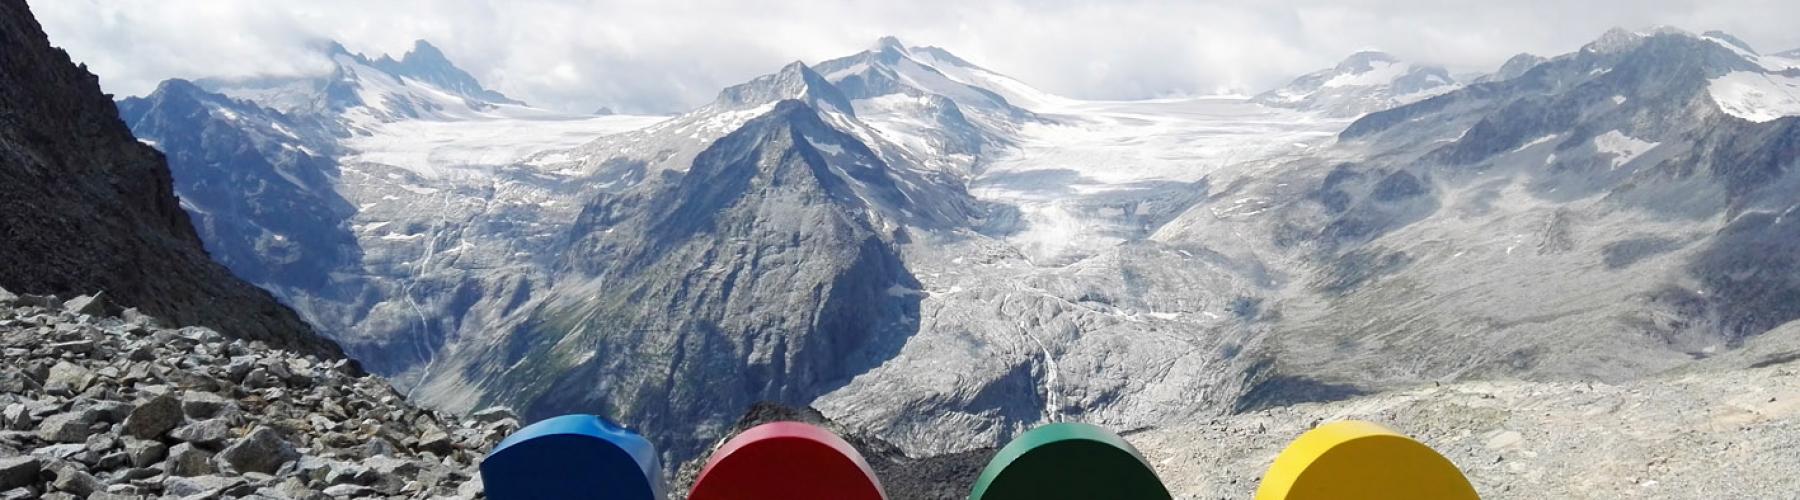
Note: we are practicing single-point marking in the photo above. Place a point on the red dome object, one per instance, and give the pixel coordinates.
(787, 461)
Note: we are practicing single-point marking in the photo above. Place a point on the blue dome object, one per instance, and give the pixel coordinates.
(573, 457)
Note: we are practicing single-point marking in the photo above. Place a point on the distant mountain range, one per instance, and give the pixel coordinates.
(943, 255)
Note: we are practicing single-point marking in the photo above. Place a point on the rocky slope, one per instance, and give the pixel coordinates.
(90, 209)
(1719, 429)
(1724, 429)
(106, 407)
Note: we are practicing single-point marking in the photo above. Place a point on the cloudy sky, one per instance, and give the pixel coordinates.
(670, 55)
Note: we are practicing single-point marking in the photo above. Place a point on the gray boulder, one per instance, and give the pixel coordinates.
(67, 378)
(70, 427)
(199, 486)
(144, 452)
(153, 418)
(263, 450)
(185, 460)
(19, 471)
(91, 305)
(210, 433)
(494, 414)
(202, 404)
(16, 417)
(75, 481)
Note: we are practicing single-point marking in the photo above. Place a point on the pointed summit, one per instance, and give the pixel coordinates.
(889, 67)
(888, 44)
(427, 64)
(421, 83)
(795, 81)
(424, 51)
(331, 48)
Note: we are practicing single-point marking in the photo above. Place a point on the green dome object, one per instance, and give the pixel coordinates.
(1068, 461)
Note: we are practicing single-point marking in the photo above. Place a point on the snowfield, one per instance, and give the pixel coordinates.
(473, 147)
(1067, 173)
(1755, 96)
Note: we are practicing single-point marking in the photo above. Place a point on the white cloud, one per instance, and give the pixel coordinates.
(660, 56)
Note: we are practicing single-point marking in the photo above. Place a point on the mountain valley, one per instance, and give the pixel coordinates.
(940, 256)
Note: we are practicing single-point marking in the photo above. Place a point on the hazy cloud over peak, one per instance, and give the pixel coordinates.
(670, 55)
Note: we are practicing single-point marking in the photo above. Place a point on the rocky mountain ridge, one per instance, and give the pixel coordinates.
(90, 209)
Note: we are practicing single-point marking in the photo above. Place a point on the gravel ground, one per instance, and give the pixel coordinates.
(1713, 434)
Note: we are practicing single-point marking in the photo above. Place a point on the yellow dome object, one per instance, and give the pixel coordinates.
(1355, 460)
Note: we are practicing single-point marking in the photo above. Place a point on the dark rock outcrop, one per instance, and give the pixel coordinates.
(89, 208)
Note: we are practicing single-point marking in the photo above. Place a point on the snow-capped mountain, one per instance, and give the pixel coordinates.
(949, 121)
(1364, 82)
(891, 68)
(942, 255)
(444, 226)
(360, 92)
(774, 198)
(622, 161)
(359, 194)
(764, 272)
(425, 63)
(672, 145)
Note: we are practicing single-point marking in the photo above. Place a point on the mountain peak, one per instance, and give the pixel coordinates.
(796, 81)
(888, 44)
(423, 53)
(332, 48)
(1621, 39)
(796, 69)
(425, 48)
(1365, 60)
(175, 85)
(426, 63)
(1514, 67)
